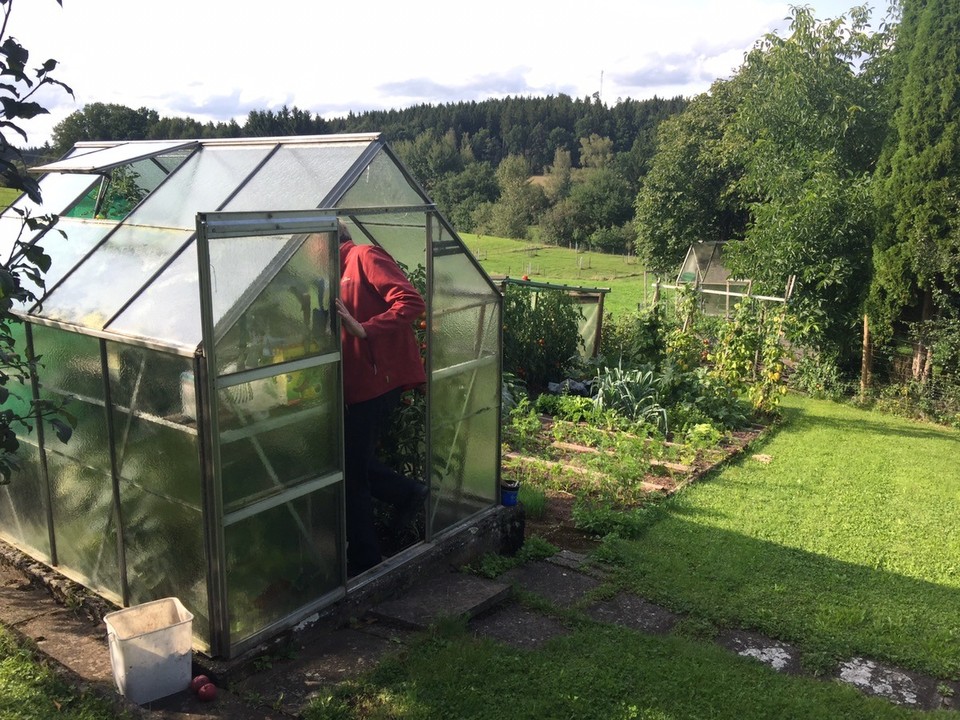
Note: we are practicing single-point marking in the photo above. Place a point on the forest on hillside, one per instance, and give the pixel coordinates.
(474, 159)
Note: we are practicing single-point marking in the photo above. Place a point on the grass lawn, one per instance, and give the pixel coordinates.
(847, 542)
(624, 276)
(29, 690)
(595, 673)
(844, 542)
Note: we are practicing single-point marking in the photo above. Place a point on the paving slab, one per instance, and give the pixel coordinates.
(446, 595)
(632, 611)
(780, 656)
(73, 642)
(557, 584)
(516, 626)
(899, 686)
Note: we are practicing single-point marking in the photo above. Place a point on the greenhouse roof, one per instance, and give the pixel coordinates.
(123, 251)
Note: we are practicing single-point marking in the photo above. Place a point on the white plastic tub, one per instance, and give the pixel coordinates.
(151, 649)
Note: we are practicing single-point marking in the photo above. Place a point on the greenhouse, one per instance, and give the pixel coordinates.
(187, 323)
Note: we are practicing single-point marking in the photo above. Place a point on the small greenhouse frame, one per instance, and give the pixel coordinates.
(187, 323)
(703, 268)
(587, 300)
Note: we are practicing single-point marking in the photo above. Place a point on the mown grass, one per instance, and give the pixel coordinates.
(624, 276)
(594, 673)
(846, 542)
(31, 690)
(7, 196)
(842, 538)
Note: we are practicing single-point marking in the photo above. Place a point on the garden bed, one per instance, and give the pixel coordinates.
(564, 473)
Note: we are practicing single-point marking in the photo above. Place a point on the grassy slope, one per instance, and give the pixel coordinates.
(847, 542)
(547, 263)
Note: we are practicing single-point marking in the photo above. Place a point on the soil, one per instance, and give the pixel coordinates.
(557, 526)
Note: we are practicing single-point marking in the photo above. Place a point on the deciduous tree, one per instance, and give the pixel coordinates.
(27, 259)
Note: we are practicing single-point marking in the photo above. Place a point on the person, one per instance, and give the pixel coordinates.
(377, 307)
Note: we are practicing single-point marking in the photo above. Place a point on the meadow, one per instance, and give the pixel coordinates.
(629, 283)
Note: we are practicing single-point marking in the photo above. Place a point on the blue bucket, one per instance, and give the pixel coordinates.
(508, 496)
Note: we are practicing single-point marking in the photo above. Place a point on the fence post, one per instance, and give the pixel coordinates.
(866, 362)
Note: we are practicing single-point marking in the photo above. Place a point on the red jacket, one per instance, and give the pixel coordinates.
(378, 294)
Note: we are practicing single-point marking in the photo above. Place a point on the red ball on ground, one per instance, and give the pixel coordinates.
(208, 692)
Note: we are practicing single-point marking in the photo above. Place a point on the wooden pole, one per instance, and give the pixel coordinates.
(866, 362)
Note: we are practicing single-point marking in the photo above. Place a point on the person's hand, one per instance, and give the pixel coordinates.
(350, 323)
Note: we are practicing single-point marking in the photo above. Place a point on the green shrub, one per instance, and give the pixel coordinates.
(819, 377)
(534, 501)
(633, 339)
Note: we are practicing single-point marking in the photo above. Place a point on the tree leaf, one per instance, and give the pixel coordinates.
(64, 431)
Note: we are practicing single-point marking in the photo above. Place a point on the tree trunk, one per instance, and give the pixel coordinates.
(866, 362)
(922, 354)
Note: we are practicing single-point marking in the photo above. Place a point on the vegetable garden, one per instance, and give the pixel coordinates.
(670, 394)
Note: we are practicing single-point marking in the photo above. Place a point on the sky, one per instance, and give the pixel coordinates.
(214, 60)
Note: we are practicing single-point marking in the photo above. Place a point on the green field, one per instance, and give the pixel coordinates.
(7, 196)
(624, 276)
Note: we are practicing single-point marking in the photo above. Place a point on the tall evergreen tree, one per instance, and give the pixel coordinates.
(917, 260)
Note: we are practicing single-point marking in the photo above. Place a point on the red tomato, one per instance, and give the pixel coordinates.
(207, 692)
(198, 682)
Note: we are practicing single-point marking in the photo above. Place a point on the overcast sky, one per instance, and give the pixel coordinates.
(217, 60)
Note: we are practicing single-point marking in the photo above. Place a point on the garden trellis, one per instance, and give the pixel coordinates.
(187, 323)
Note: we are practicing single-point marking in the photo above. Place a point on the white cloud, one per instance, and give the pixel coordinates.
(216, 60)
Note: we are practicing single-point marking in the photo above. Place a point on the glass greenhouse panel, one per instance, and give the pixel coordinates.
(107, 157)
(202, 184)
(163, 544)
(174, 290)
(292, 317)
(281, 560)
(402, 235)
(297, 177)
(588, 325)
(83, 522)
(59, 192)
(278, 432)
(112, 275)
(463, 334)
(382, 184)
(72, 371)
(23, 505)
(154, 417)
(66, 252)
(122, 189)
(464, 421)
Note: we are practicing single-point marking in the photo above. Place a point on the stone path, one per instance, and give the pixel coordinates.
(280, 687)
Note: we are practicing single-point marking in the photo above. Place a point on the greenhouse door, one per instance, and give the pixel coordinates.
(273, 426)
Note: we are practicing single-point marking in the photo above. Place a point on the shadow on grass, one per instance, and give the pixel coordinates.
(828, 607)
